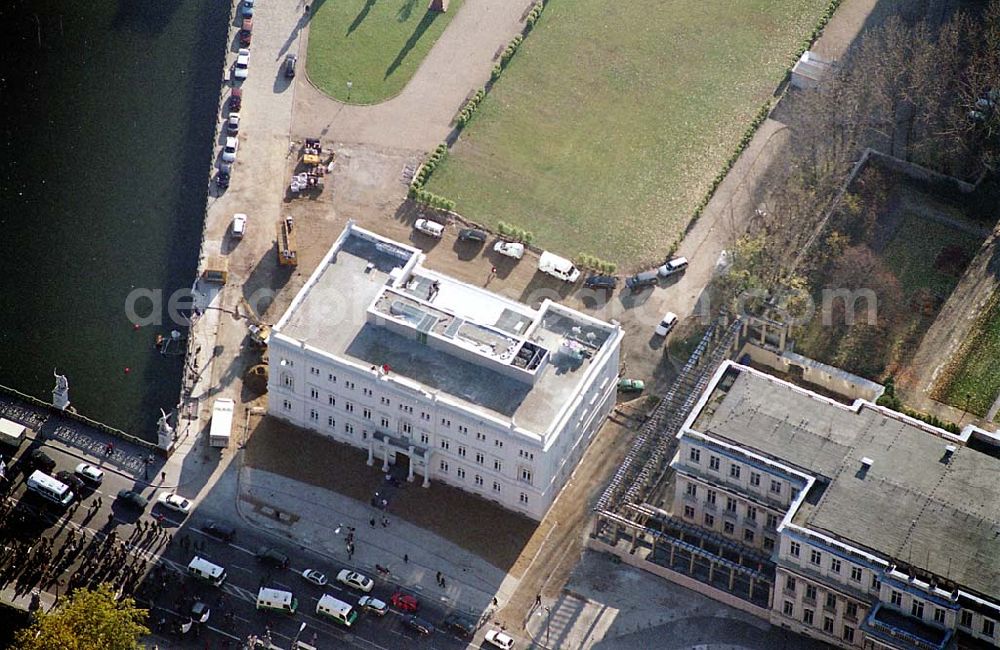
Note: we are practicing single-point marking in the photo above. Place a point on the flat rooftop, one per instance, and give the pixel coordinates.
(916, 503)
(475, 331)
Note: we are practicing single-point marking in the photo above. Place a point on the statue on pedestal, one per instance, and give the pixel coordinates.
(164, 432)
(60, 394)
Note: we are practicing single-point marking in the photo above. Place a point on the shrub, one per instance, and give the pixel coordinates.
(432, 200)
(497, 71)
(508, 52)
(533, 15)
(465, 115)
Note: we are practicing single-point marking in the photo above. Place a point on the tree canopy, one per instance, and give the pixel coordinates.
(87, 620)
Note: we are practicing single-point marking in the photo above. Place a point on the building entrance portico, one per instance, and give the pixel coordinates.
(401, 453)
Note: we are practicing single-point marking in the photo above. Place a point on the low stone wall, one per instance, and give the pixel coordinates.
(827, 377)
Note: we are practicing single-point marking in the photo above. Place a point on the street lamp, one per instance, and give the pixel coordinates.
(349, 85)
(295, 641)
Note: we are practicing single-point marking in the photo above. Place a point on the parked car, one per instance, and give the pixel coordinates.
(626, 385)
(219, 530)
(673, 266)
(472, 234)
(133, 499)
(222, 179)
(404, 602)
(667, 324)
(373, 605)
(239, 225)
(460, 624)
(429, 228)
(418, 625)
(175, 502)
(200, 612)
(229, 151)
(246, 32)
(242, 68)
(236, 99)
(499, 639)
(601, 282)
(272, 557)
(247, 8)
(233, 123)
(355, 580)
(70, 479)
(510, 249)
(290, 61)
(38, 459)
(642, 280)
(315, 577)
(89, 473)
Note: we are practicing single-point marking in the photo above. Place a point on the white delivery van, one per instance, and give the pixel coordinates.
(49, 488)
(222, 422)
(336, 610)
(276, 600)
(558, 267)
(204, 570)
(11, 433)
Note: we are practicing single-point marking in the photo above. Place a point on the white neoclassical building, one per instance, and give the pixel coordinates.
(440, 379)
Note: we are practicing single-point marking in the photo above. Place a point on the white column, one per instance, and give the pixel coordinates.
(427, 469)
(409, 476)
(385, 455)
(371, 452)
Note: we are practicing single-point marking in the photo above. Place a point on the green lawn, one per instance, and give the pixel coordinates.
(377, 46)
(974, 378)
(915, 246)
(613, 117)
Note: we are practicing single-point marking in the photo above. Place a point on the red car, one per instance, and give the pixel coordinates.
(404, 602)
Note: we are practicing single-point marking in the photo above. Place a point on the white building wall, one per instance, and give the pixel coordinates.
(470, 450)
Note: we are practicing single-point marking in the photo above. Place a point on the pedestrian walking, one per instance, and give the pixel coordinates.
(538, 600)
(372, 522)
(406, 558)
(163, 476)
(385, 522)
(495, 603)
(438, 577)
(443, 586)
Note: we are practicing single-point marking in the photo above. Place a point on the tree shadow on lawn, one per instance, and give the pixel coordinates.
(360, 18)
(405, 11)
(411, 42)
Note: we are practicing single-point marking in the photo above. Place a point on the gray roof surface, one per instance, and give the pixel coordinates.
(332, 317)
(910, 505)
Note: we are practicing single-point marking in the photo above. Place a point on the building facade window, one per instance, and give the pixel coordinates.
(480, 458)
(314, 415)
(835, 565)
(330, 421)
(524, 498)
(851, 611)
(938, 615)
(445, 443)
(710, 499)
(794, 549)
(498, 443)
(384, 422)
(754, 479)
(713, 463)
(461, 451)
(856, 573)
(709, 520)
(917, 609)
(828, 625)
(848, 634)
(768, 543)
(526, 475)
(775, 487)
(965, 620)
(406, 427)
(496, 486)
(348, 428)
(689, 512)
(728, 528)
(314, 371)
(691, 490)
(695, 455)
(989, 627)
(772, 520)
(811, 593)
(479, 480)
(751, 513)
(748, 536)
(286, 405)
(790, 584)
(896, 598)
(876, 583)
(788, 608)
(444, 466)
(734, 471)
(366, 413)
(730, 504)
(815, 557)
(807, 616)
(460, 472)
(424, 438)
(331, 400)
(349, 407)
(497, 465)
(831, 601)
(314, 393)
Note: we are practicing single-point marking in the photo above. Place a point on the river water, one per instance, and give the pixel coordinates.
(108, 111)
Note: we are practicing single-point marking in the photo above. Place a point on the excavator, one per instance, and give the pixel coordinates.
(259, 333)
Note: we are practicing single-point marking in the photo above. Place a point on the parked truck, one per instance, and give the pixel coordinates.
(222, 422)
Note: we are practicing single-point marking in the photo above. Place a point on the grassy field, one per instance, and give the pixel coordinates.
(377, 46)
(914, 248)
(613, 117)
(974, 377)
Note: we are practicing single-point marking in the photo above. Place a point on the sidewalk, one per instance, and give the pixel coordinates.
(312, 516)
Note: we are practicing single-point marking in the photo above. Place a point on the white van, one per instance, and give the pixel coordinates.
(558, 267)
(429, 228)
(205, 570)
(11, 433)
(45, 486)
(277, 600)
(336, 610)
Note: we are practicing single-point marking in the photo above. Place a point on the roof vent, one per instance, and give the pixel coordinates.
(949, 451)
(866, 464)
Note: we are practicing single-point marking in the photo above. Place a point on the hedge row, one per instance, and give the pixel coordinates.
(889, 399)
(417, 191)
(470, 108)
(510, 231)
(533, 16)
(586, 261)
(758, 119)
